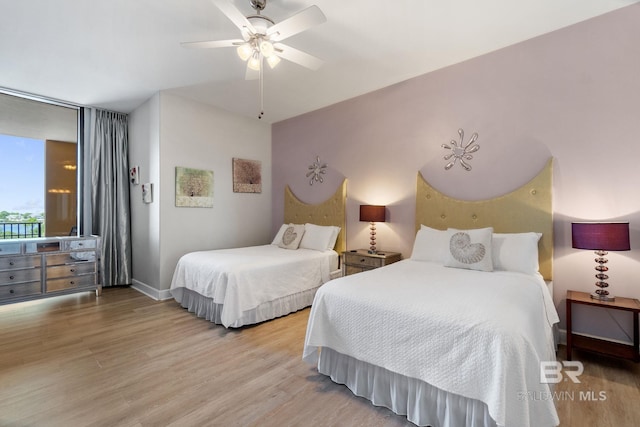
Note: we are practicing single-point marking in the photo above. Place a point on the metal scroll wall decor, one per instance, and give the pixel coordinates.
(316, 170)
(461, 151)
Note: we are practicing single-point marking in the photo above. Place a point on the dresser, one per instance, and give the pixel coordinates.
(40, 268)
(359, 260)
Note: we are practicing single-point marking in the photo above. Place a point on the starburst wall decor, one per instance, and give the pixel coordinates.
(316, 170)
(461, 151)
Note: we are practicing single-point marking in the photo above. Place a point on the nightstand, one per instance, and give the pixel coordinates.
(360, 260)
(595, 345)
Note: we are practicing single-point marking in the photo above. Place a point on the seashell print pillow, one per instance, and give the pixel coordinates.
(470, 249)
(292, 236)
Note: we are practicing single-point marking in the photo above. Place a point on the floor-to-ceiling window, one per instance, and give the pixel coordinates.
(39, 174)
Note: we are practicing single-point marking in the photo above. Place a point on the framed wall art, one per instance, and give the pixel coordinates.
(194, 188)
(247, 176)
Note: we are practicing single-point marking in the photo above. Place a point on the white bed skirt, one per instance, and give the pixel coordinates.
(204, 307)
(422, 403)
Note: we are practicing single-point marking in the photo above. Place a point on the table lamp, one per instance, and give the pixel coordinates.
(601, 237)
(372, 214)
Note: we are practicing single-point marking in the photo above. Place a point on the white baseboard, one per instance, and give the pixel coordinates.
(151, 292)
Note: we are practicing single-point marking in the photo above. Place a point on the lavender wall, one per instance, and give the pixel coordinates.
(572, 94)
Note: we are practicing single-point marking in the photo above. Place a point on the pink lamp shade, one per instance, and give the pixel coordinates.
(603, 236)
(372, 213)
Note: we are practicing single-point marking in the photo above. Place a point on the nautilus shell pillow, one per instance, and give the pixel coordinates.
(292, 236)
(470, 249)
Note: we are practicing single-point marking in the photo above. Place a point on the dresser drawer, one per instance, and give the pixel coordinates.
(9, 248)
(10, 263)
(71, 282)
(19, 276)
(73, 245)
(363, 261)
(70, 258)
(352, 269)
(70, 270)
(19, 290)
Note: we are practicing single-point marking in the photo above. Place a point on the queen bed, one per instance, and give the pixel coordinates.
(453, 336)
(242, 286)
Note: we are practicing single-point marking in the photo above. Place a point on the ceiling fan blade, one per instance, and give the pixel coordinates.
(297, 23)
(301, 58)
(212, 44)
(234, 15)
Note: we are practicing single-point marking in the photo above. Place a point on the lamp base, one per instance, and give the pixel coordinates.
(602, 297)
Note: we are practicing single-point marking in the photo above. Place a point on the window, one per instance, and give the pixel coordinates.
(39, 178)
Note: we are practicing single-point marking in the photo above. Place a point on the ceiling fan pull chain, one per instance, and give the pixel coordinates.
(261, 85)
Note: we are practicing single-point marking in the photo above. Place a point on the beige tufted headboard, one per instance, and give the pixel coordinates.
(529, 208)
(330, 212)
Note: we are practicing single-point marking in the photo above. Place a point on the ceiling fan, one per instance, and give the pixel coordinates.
(262, 37)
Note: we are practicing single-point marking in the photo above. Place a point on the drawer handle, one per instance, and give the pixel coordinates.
(12, 277)
(11, 291)
(11, 263)
(362, 260)
(73, 270)
(72, 282)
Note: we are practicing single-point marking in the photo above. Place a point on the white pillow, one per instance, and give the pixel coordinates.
(334, 237)
(516, 252)
(279, 234)
(470, 249)
(292, 236)
(430, 245)
(319, 237)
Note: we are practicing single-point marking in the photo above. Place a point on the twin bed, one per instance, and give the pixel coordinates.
(244, 286)
(433, 338)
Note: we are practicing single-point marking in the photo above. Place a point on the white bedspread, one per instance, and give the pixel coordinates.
(243, 278)
(480, 335)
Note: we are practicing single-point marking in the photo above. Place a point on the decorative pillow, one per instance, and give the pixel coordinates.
(279, 234)
(319, 237)
(292, 236)
(470, 249)
(516, 252)
(430, 245)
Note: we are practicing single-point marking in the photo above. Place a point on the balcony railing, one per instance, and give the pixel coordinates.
(20, 230)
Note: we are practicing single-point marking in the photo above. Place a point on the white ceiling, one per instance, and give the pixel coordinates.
(115, 54)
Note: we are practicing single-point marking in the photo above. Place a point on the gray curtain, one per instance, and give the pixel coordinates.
(110, 215)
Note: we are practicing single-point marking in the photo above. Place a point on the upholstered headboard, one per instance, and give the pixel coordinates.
(529, 208)
(330, 212)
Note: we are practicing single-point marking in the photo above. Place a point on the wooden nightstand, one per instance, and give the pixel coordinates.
(360, 260)
(609, 348)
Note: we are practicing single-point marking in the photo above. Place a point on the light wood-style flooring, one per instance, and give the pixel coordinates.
(125, 360)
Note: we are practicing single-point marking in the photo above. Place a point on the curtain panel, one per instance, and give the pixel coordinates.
(110, 212)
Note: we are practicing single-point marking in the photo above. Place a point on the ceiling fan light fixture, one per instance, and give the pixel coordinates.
(266, 48)
(254, 62)
(245, 51)
(273, 60)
